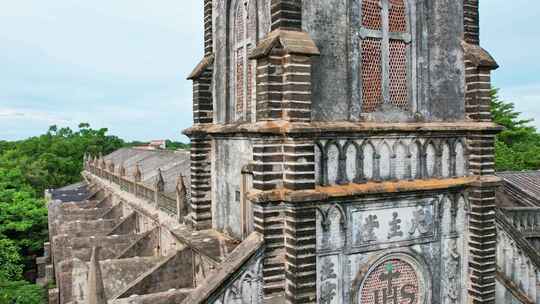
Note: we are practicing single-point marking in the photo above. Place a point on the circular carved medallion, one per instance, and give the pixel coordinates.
(393, 281)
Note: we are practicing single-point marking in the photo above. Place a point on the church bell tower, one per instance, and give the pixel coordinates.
(355, 138)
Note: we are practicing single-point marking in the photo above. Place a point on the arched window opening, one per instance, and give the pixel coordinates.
(385, 49)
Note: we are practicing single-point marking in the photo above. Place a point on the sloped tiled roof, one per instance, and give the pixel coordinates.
(522, 186)
(73, 193)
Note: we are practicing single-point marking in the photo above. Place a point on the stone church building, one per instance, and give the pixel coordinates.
(342, 152)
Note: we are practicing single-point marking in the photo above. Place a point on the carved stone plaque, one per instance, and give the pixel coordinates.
(394, 281)
(412, 222)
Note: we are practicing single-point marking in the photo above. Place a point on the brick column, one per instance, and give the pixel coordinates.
(203, 107)
(270, 86)
(478, 84)
(471, 20)
(267, 164)
(208, 30)
(200, 211)
(482, 241)
(299, 164)
(286, 14)
(483, 232)
(481, 151)
(268, 219)
(201, 204)
(284, 76)
(300, 259)
(297, 88)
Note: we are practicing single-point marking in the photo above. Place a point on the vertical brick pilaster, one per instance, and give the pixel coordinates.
(481, 154)
(299, 164)
(200, 207)
(208, 29)
(270, 86)
(269, 221)
(471, 21)
(201, 204)
(482, 243)
(300, 258)
(286, 14)
(477, 93)
(203, 108)
(268, 164)
(482, 226)
(297, 88)
(284, 87)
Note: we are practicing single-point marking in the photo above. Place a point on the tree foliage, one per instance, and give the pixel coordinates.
(27, 168)
(54, 159)
(21, 292)
(517, 148)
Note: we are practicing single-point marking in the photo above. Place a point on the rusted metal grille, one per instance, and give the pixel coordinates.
(398, 16)
(250, 85)
(239, 25)
(371, 74)
(239, 92)
(239, 59)
(371, 14)
(398, 74)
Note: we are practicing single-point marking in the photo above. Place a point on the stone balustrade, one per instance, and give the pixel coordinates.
(525, 219)
(518, 264)
(162, 200)
(358, 160)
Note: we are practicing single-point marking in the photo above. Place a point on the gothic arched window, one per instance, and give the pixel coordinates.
(244, 69)
(385, 50)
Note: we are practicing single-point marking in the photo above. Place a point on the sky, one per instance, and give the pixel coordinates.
(122, 64)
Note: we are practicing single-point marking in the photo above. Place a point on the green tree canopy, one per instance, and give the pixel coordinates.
(517, 148)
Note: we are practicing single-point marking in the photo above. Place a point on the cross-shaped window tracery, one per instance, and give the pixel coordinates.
(386, 38)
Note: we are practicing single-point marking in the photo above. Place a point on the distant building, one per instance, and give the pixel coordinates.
(158, 144)
(342, 152)
(154, 145)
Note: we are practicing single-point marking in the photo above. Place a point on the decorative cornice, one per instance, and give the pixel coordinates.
(357, 190)
(342, 127)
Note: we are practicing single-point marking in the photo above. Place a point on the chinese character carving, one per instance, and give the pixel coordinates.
(422, 222)
(395, 227)
(368, 229)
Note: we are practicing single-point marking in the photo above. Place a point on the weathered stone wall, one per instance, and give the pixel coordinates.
(229, 157)
(222, 27)
(423, 236)
(436, 71)
(244, 287)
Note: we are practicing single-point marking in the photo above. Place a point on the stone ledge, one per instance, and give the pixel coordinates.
(478, 56)
(344, 127)
(201, 67)
(371, 188)
(293, 42)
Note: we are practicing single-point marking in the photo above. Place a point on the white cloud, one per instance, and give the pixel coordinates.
(25, 115)
(526, 98)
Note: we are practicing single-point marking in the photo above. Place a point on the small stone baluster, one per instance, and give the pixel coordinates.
(532, 281)
(537, 273)
(509, 259)
(515, 264)
(524, 273)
